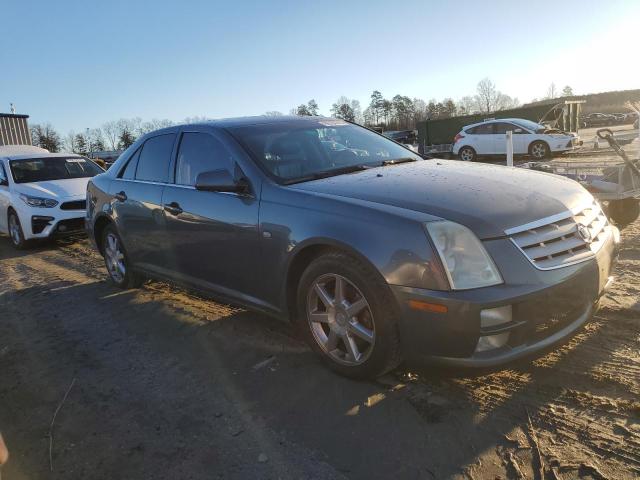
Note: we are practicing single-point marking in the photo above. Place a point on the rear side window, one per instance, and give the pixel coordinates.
(484, 129)
(502, 128)
(129, 172)
(200, 152)
(153, 164)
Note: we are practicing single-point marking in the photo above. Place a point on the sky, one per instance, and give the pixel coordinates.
(78, 64)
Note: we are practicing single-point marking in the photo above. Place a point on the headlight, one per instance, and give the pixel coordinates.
(467, 263)
(38, 201)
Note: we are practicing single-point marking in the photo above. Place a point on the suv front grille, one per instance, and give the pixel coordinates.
(562, 239)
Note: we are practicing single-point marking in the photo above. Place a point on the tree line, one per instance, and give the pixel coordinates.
(403, 113)
(396, 113)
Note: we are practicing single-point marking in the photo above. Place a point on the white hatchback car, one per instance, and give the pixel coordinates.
(42, 194)
(529, 138)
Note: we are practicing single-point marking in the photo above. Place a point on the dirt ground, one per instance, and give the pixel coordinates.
(163, 384)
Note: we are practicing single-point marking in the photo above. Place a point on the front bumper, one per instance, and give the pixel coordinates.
(545, 313)
(51, 223)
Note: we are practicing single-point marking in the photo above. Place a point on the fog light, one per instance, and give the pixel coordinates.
(491, 342)
(494, 317)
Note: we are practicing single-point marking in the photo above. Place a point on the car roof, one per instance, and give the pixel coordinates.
(268, 120)
(21, 152)
(495, 120)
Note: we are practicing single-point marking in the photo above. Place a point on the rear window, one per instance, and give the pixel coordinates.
(153, 164)
(52, 168)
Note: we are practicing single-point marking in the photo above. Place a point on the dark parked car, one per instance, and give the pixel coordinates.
(375, 253)
(598, 120)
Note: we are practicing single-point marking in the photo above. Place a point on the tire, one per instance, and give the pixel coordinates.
(117, 261)
(539, 150)
(15, 232)
(624, 212)
(467, 154)
(363, 343)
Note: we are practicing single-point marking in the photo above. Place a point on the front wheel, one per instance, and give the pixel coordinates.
(539, 150)
(624, 212)
(116, 260)
(347, 315)
(15, 232)
(467, 154)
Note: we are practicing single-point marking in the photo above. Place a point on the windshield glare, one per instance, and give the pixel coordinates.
(56, 168)
(529, 125)
(290, 151)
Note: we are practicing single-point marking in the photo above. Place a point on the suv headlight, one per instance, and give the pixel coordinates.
(465, 260)
(38, 201)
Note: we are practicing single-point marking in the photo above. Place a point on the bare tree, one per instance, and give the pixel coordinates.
(487, 96)
(273, 113)
(112, 133)
(551, 91)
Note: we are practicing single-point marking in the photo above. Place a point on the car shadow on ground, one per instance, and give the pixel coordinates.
(430, 424)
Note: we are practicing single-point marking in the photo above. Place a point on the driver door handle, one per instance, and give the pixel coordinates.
(173, 208)
(120, 196)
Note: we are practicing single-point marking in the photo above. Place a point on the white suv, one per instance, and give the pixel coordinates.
(42, 194)
(529, 138)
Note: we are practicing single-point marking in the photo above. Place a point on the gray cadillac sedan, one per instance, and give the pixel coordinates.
(376, 254)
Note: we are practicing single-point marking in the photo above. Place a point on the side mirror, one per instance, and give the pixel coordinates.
(220, 181)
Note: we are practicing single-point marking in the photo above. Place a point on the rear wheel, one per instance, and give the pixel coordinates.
(624, 212)
(116, 260)
(348, 317)
(467, 154)
(539, 150)
(15, 232)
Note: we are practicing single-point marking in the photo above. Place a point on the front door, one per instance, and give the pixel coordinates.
(4, 198)
(215, 243)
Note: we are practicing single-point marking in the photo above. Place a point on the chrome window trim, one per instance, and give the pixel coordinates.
(187, 187)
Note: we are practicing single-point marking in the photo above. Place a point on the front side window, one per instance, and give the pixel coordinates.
(502, 128)
(296, 150)
(52, 168)
(200, 152)
(3, 174)
(153, 164)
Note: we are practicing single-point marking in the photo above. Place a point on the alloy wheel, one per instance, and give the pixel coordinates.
(340, 319)
(466, 154)
(538, 151)
(14, 230)
(114, 258)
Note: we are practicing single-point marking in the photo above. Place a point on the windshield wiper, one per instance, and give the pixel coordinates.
(329, 173)
(396, 161)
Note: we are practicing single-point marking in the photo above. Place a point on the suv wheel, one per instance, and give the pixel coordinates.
(116, 261)
(348, 317)
(15, 232)
(539, 150)
(467, 154)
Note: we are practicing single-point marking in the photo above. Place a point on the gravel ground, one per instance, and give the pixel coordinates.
(163, 384)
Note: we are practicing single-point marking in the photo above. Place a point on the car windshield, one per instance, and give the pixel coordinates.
(299, 151)
(52, 168)
(528, 124)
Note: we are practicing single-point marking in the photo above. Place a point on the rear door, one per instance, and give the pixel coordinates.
(215, 243)
(137, 202)
(483, 139)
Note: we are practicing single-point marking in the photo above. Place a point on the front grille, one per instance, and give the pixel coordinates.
(76, 205)
(563, 239)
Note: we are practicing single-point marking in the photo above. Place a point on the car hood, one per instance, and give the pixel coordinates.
(488, 199)
(67, 188)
